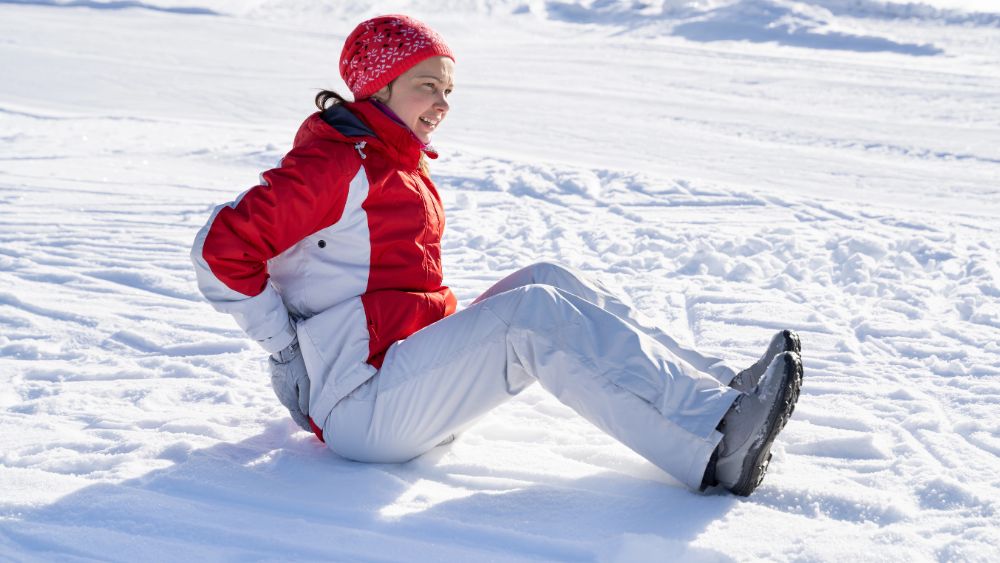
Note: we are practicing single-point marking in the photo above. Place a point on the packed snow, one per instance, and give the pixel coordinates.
(734, 166)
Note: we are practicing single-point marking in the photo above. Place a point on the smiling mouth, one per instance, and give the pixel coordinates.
(432, 123)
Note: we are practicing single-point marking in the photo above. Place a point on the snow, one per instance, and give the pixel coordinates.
(734, 166)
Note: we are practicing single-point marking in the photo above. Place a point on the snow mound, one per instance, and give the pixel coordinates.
(982, 12)
(788, 23)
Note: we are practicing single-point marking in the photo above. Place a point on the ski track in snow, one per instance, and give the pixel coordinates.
(137, 423)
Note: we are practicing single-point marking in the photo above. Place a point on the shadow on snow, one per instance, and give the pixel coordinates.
(284, 496)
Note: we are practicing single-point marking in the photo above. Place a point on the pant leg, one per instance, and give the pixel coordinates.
(450, 373)
(591, 289)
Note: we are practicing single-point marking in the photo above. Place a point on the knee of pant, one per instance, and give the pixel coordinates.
(540, 294)
(541, 307)
(550, 273)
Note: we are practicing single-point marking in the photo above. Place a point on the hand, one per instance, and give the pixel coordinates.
(291, 383)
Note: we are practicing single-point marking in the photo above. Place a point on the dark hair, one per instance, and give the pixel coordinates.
(324, 96)
(323, 99)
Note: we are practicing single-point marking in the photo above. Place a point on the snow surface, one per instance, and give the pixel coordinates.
(734, 166)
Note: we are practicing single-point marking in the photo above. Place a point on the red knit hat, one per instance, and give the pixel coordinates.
(382, 48)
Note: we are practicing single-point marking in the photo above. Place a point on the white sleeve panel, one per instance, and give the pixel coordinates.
(263, 317)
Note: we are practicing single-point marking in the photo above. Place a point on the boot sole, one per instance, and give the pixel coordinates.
(755, 466)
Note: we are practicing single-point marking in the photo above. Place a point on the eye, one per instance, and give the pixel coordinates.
(430, 85)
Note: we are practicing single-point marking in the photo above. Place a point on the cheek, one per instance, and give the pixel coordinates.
(420, 102)
(410, 109)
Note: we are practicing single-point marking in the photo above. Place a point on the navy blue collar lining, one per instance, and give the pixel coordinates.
(345, 122)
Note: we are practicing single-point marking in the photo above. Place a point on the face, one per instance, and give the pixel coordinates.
(419, 96)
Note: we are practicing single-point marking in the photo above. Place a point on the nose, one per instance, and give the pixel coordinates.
(441, 103)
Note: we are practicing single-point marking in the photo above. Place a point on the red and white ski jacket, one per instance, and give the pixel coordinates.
(340, 246)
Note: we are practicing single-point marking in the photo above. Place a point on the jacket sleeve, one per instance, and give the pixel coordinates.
(305, 193)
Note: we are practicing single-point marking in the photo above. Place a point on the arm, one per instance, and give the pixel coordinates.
(305, 193)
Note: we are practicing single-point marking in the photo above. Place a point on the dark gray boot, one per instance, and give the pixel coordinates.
(753, 422)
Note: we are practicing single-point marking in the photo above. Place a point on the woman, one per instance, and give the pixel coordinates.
(333, 265)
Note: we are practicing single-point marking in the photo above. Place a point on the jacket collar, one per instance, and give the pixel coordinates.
(363, 121)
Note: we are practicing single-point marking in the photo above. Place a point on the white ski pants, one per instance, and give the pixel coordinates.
(549, 324)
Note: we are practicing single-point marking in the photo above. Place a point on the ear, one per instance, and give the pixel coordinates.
(384, 94)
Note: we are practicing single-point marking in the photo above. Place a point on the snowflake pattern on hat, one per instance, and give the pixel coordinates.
(382, 48)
